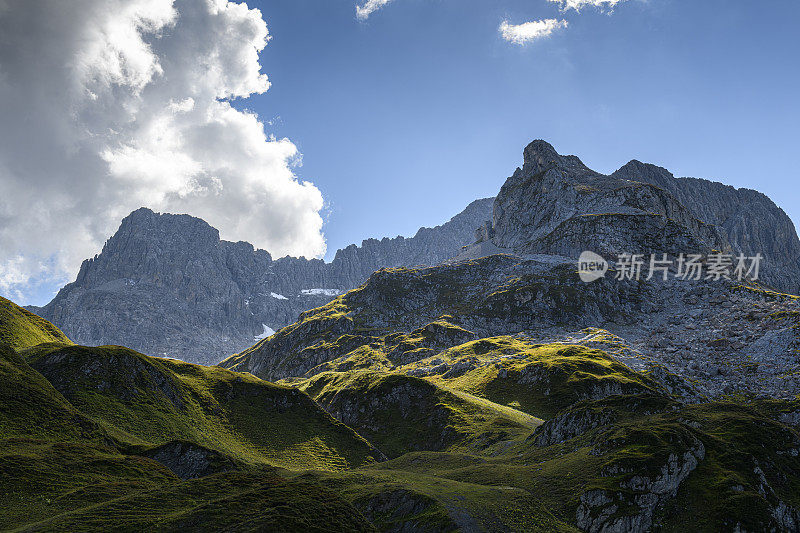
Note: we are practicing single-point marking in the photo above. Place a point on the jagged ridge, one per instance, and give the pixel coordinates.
(167, 285)
(555, 204)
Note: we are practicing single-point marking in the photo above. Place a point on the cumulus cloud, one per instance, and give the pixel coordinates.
(577, 5)
(109, 105)
(530, 31)
(369, 7)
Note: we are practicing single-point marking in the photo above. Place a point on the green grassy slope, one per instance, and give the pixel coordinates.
(78, 425)
(400, 414)
(46, 478)
(611, 448)
(148, 401)
(611, 433)
(409, 494)
(231, 501)
(734, 465)
(53, 458)
(538, 379)
(19, 328)
(31, 408)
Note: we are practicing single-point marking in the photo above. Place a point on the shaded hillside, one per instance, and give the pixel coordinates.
(94, 438)
(401, 414)
(151, 401)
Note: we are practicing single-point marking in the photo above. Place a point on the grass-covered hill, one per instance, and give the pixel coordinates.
(148, 401)
(439, 367)
(19, 328)
(616, 452)
(63, 470)
(406, 414)
(400, 410)
(107, 438)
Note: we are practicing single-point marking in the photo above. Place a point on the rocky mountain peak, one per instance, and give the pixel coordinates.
(140, 215)
(166, 284)
(636, 170)
(153, 246)
(146, 223)
(540, 156)
(752, 223)
(554, 204)
(557, 205)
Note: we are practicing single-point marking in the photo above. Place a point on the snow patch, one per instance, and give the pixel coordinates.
(268, 331)
(320, 292)
(278, 296)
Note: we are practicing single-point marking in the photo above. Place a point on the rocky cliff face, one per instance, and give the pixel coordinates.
(551, 205)
(723, 336)
(554, 204)
(751, 222)
(648, 388)
(167, 285)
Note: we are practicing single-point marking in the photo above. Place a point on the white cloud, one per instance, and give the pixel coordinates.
(11, 276)
(577, 5)
(109, 105)
(530, 31)
(369, 7)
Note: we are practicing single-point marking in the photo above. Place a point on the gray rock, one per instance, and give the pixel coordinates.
(188, 460)
(569, 425)
(597, 510)
(751, 222)
(547, 302)
(555, 204)
(167, 285)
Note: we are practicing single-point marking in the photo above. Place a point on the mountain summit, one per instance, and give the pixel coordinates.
(555, 204)
(167, 284)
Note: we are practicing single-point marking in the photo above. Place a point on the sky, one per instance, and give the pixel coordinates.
(305, 125)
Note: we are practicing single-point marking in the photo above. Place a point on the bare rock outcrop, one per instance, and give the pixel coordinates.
(168, 285)
(554, 204)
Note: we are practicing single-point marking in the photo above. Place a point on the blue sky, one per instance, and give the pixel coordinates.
(406, 117)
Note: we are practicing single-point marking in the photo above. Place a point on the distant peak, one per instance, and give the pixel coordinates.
(142, 212)
(638, 171)
(636, 164)
(147, 215)
(541, 153)
(137, 219)
(147, 224)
